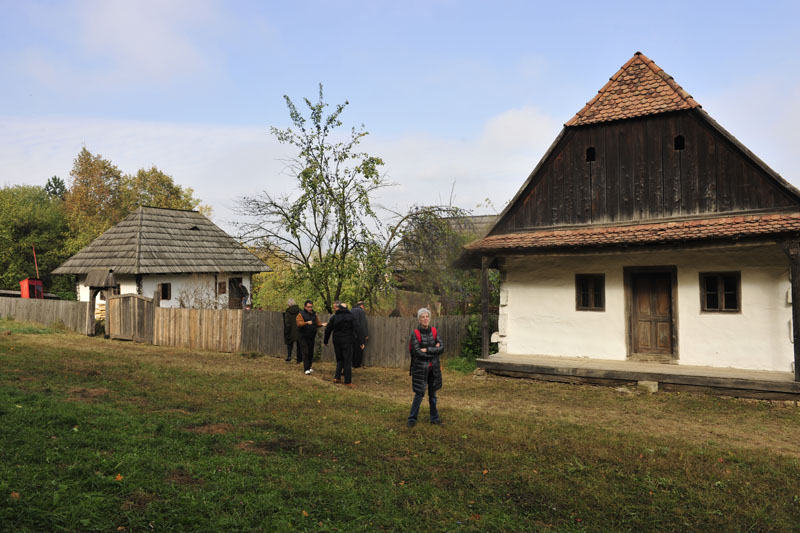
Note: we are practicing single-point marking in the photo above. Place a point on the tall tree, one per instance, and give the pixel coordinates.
(30, 217)
(55, 188)
(328, 229)
(99, 196)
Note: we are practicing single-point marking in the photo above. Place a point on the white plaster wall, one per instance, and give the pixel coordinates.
(538, 315)
(192, 283)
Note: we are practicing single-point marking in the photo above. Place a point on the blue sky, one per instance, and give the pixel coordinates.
(470, 93)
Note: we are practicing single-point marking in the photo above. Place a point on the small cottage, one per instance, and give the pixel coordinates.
(180, 256)
(648, 233)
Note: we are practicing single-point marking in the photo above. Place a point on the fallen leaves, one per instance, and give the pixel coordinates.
(15, 495)
(118, 477)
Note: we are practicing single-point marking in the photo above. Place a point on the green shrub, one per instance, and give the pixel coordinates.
(472, 346)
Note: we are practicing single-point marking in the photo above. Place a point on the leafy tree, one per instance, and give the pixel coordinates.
(337, 242)
(29, 216)
(99, 196)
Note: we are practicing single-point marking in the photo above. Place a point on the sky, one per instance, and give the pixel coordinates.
(461, 99)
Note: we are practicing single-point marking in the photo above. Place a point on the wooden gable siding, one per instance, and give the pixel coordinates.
(638, 175)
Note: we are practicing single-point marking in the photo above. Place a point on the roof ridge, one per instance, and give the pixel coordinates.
(637, 98)
(138, 258)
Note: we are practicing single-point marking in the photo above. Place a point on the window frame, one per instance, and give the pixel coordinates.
(593, 279)
(165, 288)
(720, 279)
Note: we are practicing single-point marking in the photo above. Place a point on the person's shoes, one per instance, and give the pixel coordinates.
(288, 359)
(337, 381)
(308, 372)
(411, 423)
(436, 422)
(348, 385)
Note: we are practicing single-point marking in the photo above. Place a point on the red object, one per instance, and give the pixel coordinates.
(31, 288)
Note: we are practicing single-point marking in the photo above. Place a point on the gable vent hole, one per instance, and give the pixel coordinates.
(680, 142)
(591, 155)
(194, 228)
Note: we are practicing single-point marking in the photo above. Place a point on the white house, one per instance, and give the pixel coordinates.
(649, 233)
(179, 256)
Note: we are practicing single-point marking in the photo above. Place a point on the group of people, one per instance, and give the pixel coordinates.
(349, 331)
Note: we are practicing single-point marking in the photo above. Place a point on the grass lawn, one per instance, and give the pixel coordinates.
(99, 435)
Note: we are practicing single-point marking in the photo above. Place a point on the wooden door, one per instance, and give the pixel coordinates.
(651, 313)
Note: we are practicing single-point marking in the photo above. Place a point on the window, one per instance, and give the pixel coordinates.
(591, 155)
(590, 292)
(680, 142)
(720, 292)
(166, 291)
(115, 291)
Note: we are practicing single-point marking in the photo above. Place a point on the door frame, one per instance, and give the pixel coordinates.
(628, 274)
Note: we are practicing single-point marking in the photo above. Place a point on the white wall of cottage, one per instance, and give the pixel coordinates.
(538, 315)
(182, 285)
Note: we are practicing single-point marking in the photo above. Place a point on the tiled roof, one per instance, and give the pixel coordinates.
(730, 227)
(153, 240)
(639, 88)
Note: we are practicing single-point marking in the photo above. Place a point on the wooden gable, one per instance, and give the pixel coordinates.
(643, 150)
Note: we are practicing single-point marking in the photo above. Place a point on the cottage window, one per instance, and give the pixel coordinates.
(591, 154)
(590, 292)
(680, 142)
(720, 292)
(166, 291)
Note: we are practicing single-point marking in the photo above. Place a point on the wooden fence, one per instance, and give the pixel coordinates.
(202, 329)
(48, 312)
(130, 317)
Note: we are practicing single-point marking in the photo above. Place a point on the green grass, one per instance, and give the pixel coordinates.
(9, 326)
(97, 435)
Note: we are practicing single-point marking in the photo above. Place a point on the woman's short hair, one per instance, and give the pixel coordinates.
(290, 301)
(423, 311)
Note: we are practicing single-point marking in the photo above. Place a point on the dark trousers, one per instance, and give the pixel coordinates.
(289, 351)
(358, 355)
(344, 360)
(307, 347)
(418, 401)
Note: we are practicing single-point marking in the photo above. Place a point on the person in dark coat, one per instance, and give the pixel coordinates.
(346, 332)
(308, 323)
(426, 370)
(361, 319)
(291, 333)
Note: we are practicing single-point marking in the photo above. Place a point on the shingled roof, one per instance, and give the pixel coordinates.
(668, 232)
(639, 88)
(153, 240)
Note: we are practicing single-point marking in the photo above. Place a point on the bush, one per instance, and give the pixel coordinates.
(471, 349)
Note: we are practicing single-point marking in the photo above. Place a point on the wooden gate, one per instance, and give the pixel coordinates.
(130, 317)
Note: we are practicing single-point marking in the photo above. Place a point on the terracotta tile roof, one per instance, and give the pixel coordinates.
(639, 88)
(730, 227)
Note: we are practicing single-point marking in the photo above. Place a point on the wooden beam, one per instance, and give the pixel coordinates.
(792, 250)
(485, 306)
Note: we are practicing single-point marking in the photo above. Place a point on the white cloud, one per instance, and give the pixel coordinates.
(222, 163)
(106, 44)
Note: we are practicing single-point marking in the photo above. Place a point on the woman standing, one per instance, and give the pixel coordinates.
(426, 371)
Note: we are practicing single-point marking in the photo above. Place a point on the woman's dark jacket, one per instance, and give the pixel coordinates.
(290, 330)
(425, 363)
(344, 327)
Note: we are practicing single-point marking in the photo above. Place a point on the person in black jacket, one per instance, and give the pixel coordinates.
(291, 333)
(361, 318)
(308, 323)
(346, 332)
(426, 371)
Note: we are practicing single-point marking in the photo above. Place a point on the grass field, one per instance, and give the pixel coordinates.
(99, 435)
